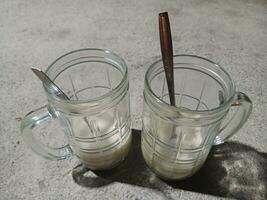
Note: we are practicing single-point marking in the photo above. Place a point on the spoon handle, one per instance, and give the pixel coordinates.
(49, 83)
(167, 52)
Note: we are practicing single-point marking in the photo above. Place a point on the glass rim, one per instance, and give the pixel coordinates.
(96, 99)
(184, 110)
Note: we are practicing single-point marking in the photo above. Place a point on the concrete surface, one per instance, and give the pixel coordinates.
(34, 33)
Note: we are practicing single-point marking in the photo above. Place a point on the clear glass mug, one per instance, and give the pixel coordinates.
(96, 120)
(176, 140)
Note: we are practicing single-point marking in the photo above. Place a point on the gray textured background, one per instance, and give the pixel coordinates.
(34, 33)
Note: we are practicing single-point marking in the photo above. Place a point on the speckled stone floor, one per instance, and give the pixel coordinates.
(232, 33)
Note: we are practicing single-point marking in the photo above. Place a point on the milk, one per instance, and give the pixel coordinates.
(101, 141)
(170, 150)
(109, 158)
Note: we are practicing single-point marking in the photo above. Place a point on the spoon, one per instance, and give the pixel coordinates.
(54, 89)
(167, 52)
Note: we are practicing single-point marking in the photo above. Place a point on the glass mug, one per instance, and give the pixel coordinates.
(96, 119)
(176, 140)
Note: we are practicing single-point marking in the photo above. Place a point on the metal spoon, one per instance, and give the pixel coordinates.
(167, 52)
(54, 89)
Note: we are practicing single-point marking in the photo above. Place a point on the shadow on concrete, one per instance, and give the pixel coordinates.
(232, 170)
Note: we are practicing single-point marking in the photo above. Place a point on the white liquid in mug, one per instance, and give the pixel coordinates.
(173, 152)
(101, 142)
(109, 158)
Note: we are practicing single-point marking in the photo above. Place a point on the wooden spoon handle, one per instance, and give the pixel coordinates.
(167, 52)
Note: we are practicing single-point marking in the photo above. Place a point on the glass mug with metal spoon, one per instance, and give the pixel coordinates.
(176, 140)
(93, 110)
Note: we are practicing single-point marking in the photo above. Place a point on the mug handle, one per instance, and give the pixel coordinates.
(244, 106)
(34, 119)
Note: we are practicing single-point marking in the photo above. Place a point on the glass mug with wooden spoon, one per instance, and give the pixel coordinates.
(96, 115)
(176, 140)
